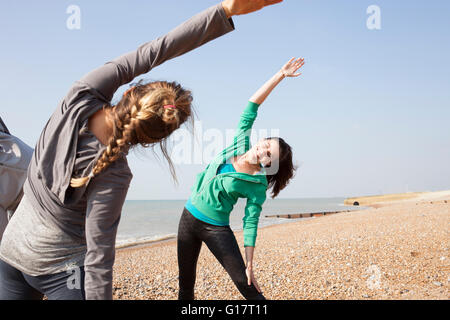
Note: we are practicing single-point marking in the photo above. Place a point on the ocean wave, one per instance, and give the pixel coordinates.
(129, 242)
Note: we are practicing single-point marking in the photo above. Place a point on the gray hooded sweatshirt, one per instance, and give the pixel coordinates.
(15, 157)
(57, 227)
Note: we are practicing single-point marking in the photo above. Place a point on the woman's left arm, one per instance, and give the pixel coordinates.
(288, 70)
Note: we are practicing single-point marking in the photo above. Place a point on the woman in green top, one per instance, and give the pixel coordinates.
(237, 172)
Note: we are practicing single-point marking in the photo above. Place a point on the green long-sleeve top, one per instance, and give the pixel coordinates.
(215, 195)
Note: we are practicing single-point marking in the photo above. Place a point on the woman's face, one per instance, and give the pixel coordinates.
(266, 151)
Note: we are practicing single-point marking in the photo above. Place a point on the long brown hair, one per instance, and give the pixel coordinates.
(286, 168)
(140, 118)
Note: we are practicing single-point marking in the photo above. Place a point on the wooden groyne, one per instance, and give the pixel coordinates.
(305, 215)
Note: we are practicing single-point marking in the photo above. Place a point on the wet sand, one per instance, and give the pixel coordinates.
(397, 251)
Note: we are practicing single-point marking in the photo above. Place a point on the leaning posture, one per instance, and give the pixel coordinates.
(61, 240)
(237, 172)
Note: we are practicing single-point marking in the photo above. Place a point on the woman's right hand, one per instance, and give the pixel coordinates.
(238, 7)
(251, 278)
(291, 67)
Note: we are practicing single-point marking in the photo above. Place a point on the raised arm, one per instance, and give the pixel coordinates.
(238, 7)
(250, 112)
(198, 30)
(288, 70)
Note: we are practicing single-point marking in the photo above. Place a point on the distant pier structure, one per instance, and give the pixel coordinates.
(305, 215)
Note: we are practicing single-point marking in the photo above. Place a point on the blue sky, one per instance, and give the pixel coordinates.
(369, 115)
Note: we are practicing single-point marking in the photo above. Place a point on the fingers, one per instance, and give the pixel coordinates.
(271, 2)
(299, 63)
(251, 279)
(290, 62)
(238, 7)
(292, 66)
(256, 285)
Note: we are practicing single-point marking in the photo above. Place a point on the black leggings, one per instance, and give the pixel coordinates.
(16, 285)
(222, 243)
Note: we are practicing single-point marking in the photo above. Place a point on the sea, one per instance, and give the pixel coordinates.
(147, 221)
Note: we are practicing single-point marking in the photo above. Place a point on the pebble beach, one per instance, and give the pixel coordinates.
(398, 251)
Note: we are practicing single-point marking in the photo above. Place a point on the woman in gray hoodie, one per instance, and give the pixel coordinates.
(61, 240)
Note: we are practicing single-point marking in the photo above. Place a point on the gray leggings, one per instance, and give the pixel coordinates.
(16, 285)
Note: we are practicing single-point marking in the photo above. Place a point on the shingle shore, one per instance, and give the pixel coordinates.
(399, 251)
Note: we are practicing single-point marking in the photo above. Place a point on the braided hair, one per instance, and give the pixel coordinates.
(140, 118)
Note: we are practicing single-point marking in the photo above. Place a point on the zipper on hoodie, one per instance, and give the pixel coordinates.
(227, 173)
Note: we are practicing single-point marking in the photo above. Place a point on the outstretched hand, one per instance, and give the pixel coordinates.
(251, 279)
(291, 67)
(238, 7)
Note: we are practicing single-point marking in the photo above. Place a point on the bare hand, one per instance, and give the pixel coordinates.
(292, 66)
(251, 279)
(238, 7)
